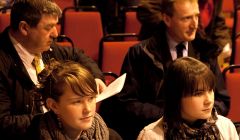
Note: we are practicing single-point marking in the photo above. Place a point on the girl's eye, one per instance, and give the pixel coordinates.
(84, 99)
(92, 98)
(77, 101)
(199, 93)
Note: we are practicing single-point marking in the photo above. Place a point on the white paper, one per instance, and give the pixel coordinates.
(112, 89)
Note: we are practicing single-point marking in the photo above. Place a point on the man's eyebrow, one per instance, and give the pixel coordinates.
(50, 25)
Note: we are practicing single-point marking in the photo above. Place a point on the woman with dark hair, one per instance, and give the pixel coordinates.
(189, 112)
(69, 91)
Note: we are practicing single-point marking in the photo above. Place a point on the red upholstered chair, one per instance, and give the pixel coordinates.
(228, 11)
(64, 3)
(4, 18)
(235, 56)
(109, 78)
(232, 80)
(64, 41)
(132, 25)
(112, 53)
(237, 50)
(84, 28)
(238, 20)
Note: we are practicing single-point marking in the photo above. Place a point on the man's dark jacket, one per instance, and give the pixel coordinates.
(140, 102)
(216, 34)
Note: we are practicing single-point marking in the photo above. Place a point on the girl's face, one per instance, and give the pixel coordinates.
(76, 112)
(198, 106)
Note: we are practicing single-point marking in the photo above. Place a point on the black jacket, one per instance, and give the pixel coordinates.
(216, 34)
(16, 98)
(141, 101)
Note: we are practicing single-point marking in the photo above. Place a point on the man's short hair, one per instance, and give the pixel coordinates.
(32, 11)
(167, 6)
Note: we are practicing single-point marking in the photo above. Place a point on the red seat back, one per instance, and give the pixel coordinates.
(233, 88)
(238, 21)
(64, 41)
(132, 25)
(232, 79)
(85, 29)
(113, 55)
(4, 20)
(64, 3)
(237, 51)
(228, 11)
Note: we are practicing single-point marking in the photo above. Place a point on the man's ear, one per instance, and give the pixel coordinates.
(166, 19)
(23, 27)
(52, 105)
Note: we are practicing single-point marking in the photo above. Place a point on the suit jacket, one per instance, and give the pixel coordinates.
(141, 101)
(216, 35)
(16, 99)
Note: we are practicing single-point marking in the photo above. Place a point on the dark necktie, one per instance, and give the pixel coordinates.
(180, 48)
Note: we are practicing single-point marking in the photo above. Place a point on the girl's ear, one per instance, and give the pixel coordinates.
(52, 105)
(23, 27)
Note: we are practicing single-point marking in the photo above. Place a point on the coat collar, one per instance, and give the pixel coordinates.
(157, 48)
(17, 66)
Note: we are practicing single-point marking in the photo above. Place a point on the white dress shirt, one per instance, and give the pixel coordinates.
(26, 58)
(172, 47)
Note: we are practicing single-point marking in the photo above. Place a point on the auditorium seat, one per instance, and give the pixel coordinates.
(84, 28)
(64, 3)
(232, 80)
(112, 53)
(4, 18)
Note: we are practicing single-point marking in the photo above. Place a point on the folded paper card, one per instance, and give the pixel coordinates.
(113, 88)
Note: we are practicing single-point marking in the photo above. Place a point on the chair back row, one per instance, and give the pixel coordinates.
(84, 26)
(232, 80)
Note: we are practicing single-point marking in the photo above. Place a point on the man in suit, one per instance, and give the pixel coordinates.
(32, 32)
(141, 100)
(212, 29)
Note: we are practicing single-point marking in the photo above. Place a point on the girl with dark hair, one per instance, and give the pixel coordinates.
(188, 111)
